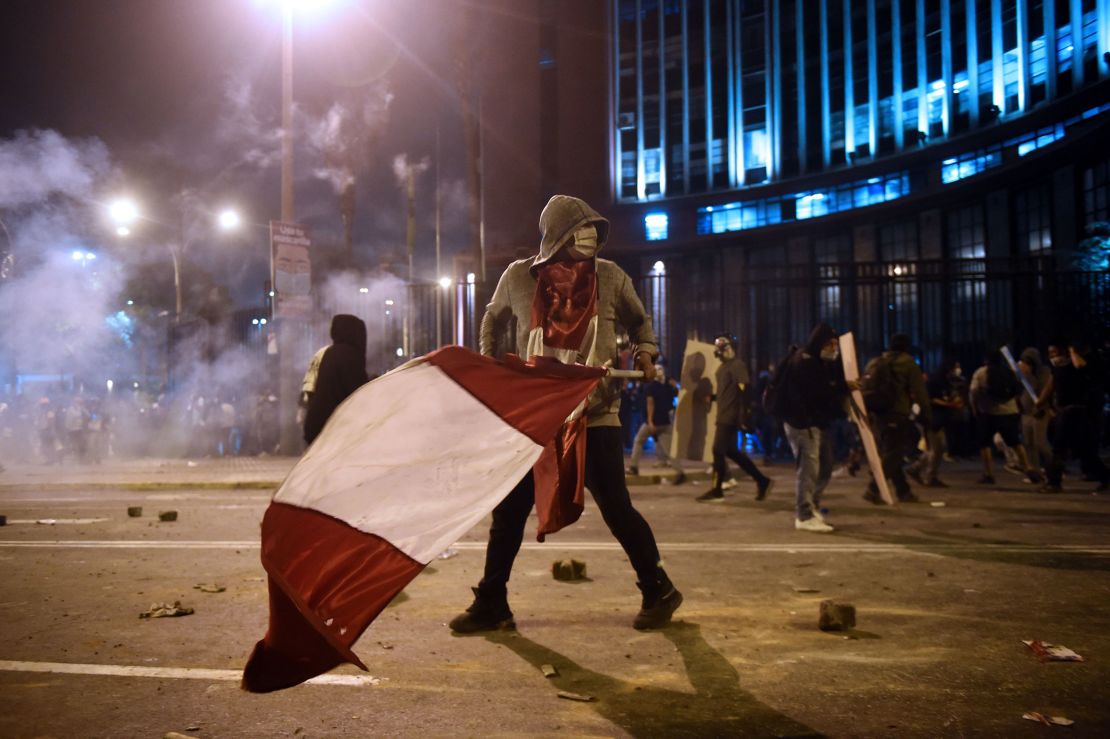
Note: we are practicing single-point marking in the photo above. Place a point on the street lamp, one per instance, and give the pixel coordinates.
(124, 212)
(228, 219)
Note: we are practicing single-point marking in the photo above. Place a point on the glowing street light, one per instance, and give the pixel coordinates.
(123, 211)
(228, 219)
(123, 231)
(445, 282)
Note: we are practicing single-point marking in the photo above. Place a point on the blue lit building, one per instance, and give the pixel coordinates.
(937, 167)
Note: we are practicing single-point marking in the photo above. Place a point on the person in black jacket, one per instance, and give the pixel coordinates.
(1077, 392)
(342, 371)
(815, 395)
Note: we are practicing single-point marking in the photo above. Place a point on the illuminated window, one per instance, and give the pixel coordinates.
(655, 225)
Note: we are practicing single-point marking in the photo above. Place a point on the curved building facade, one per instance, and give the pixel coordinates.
(935, 167)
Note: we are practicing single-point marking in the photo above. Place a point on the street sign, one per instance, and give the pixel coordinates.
(291, 270)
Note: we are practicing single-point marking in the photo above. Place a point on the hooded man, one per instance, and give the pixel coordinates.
(895, 433)
(567, 303)
(342, 371)
(815, 377)
(733, 387)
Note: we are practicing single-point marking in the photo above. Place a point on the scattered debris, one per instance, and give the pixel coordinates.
(190, 463)
(549, 671)
(178, 735)
(836, 616)
(47, 521)
(568, 569)
(385, 645)
(448, 553)
(805, 590)
(3, 520)
(193, 727)
(165, 610)
(576, 696)
(938, 504)
(1046, 720)
(930, 573)
(167, 515)
(134, 511)
(1052, 652)
(213, 588)
(976, 525)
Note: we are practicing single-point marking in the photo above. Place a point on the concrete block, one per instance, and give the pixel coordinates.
(167, 516)
(134, 511)
(836, 616)
(568, 569)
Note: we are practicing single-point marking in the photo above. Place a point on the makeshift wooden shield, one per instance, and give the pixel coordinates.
(695, 415)
(859, 416)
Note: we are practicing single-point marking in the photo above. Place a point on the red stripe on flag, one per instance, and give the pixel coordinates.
(534, 397)
(328, 581)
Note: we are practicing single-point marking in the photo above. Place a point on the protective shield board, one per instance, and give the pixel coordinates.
(858, 415)
(1017, 371)
(695, 415)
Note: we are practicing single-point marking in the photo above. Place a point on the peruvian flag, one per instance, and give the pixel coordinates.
(404, 467)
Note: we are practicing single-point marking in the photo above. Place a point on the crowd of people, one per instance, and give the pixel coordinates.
(62, 425)
(1033, 416)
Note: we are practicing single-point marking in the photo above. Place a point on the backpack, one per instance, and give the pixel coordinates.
(777, 396)
(879, 388)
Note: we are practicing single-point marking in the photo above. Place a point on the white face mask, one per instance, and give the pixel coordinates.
(830, 354)
(585, 243)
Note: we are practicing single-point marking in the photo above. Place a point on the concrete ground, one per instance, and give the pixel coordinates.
(944, 597)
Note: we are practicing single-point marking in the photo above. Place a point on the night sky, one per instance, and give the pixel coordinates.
(185, 94)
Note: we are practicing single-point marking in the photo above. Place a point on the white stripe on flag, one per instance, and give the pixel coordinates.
(412, 458)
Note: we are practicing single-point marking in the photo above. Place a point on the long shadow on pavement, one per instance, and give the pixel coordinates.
(717, 708)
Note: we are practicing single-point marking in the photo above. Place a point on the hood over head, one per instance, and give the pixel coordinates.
(349, 330)
(1032, 357)
(822, 333)
(560, 218)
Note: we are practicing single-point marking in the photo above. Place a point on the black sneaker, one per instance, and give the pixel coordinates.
(985, 480)
(658, 614)
(633, 470)
(872, 496)
(935, 483)
(914, 475)
(764, 488)
(713, 495)
(679, 478)
(483, 615)
(908, 498)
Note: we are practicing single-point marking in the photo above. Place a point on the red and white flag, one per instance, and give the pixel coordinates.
(404, 467)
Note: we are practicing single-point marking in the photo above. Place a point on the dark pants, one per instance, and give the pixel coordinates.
(605, 480)
(725, 448)
(896, 437)
(1077, 434)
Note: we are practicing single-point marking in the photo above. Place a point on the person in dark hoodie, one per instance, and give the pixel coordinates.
(572, 234)
(817, 392)
(342, 371)
(895, 433)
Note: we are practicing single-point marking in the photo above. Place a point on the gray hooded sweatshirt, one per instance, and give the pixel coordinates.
(507, 321)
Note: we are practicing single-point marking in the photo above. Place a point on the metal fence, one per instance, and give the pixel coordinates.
(952, 308)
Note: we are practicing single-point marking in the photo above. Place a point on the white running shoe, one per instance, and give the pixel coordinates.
(729, 484)
(812, 524)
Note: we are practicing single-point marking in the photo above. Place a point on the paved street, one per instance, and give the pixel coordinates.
(944, 597)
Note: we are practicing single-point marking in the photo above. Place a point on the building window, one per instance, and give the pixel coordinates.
(970, 163)
(898, 242)
(655, 226)
(1033, 220)
(965, 233)
(1096, 192)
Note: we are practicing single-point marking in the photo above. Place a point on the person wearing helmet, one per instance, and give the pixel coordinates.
(733, 386)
